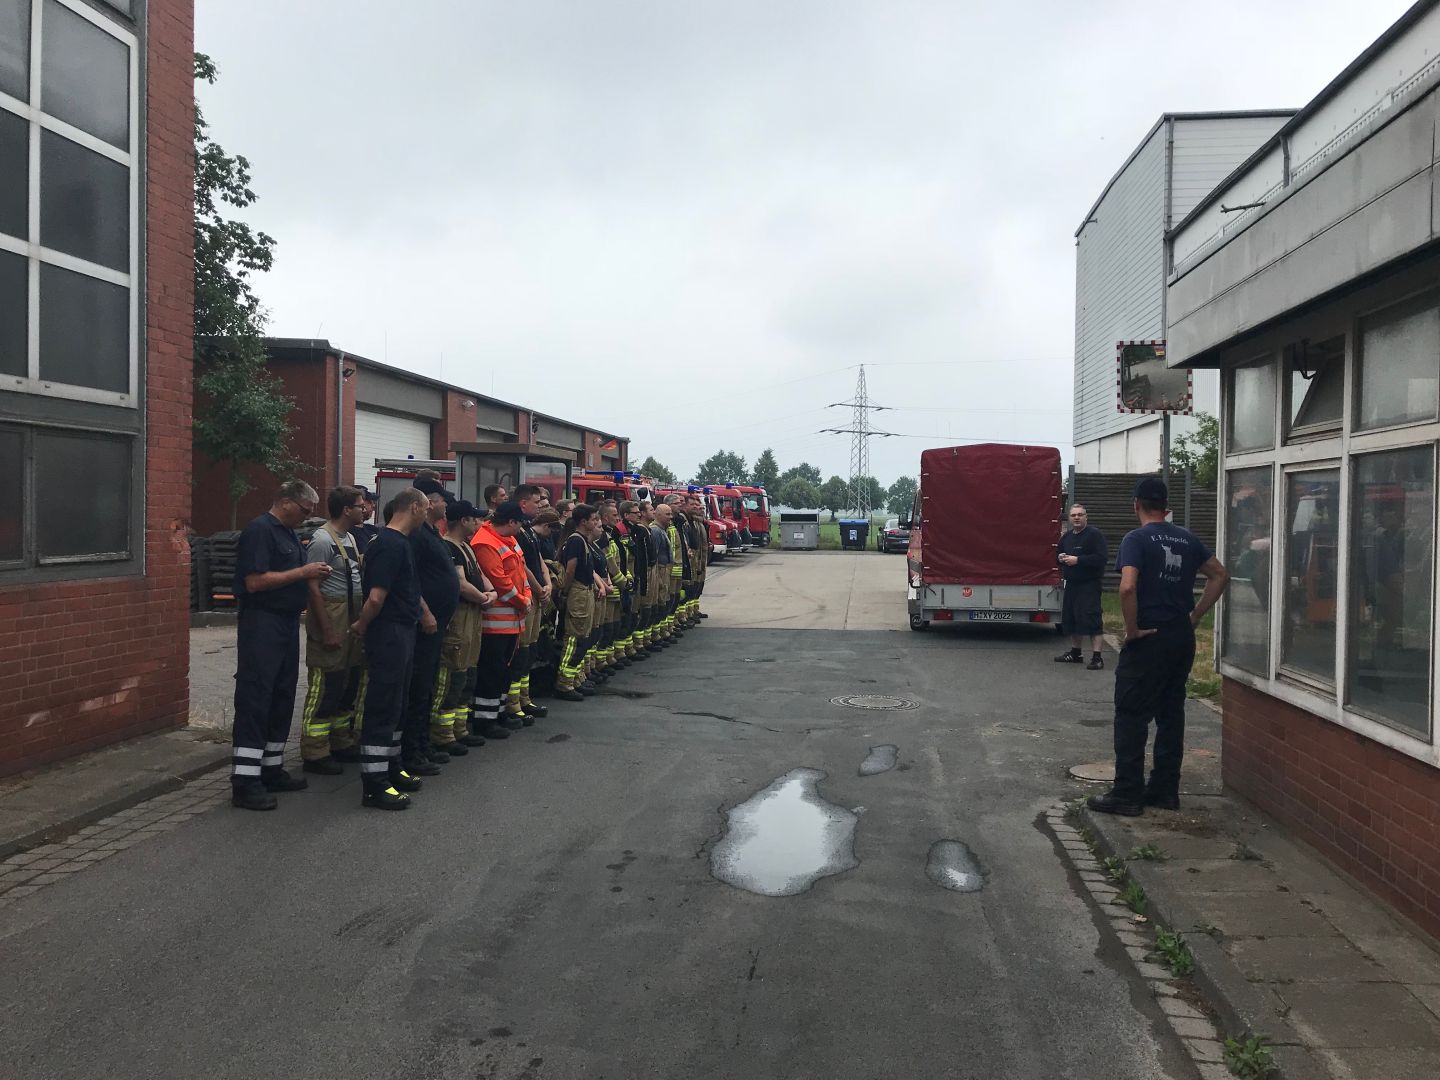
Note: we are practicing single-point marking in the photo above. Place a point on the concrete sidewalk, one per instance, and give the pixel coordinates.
(47, 804)
(1283, 945)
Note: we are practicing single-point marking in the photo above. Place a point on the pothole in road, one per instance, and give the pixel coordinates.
(880, 759)
(783, 839)
(952, 865)
(874, 701)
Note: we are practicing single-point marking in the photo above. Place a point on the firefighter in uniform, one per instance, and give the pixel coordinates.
(546, 528)
(387, 623)
(664, 563)
(577, 593)
(700, 547)
(637, 546)
(679, 569)
(271, 591)
(454, 687)
(518, 703)
(1158, 563)
(503, 564)
(334, 659)
(615, 573)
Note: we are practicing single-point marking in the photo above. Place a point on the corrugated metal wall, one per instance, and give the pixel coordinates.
(1119, 281)
(1120, 272)
(1207, 151)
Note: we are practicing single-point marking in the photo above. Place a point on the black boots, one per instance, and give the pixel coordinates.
(385, 798)
(277, 779)
(252, 795)
(325, 766)
(1097, 662)
(1109, 804)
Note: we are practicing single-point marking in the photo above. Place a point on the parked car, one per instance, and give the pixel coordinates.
(893, 537)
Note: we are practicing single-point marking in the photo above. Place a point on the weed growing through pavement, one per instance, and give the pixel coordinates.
(1148, 853)
(1249, 1058)
(1114, 868)
(1133, 897)
(1173, 950)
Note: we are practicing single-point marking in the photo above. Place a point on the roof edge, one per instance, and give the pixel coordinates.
(324, 345)
(1412, 15)
(1167, 117)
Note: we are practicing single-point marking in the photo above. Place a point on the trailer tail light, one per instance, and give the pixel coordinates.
(943, 616)
(1040, 617)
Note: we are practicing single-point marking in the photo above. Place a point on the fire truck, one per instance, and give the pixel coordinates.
(757, 512)
(732, 509)
(719, 530)
(593, 486)
(394, 475)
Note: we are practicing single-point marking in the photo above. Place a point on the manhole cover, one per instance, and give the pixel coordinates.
(1096, 772)
(874, 701)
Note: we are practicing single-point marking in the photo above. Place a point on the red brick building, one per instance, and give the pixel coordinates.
(95, 362)
(1309, 279)
(350, 411)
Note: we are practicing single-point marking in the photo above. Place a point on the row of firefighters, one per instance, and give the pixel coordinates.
(427, 637)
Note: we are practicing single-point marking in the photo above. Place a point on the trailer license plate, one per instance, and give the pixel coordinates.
(991, 616)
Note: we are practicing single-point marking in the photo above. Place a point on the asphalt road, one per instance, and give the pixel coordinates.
(548, 908)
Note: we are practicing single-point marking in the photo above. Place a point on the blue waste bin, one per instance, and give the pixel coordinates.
(853, 533)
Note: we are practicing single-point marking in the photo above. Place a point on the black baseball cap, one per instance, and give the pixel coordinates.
(461, 508)
(1152, 489)
(507, 512)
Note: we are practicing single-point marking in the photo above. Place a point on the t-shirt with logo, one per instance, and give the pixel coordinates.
(1168, 557)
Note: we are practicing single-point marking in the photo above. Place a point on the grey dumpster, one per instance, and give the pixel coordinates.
(799, 530)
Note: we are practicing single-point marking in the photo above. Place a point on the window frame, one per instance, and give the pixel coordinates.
(35, 253)
(1316, 683)
(1257, 360)
(1343, 446)
(1323, 429)
(1355, 356)
(97, 564)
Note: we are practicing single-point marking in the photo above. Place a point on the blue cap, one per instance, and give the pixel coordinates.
(1152, 489)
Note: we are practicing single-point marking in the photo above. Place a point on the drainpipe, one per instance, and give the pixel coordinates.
(340, 419)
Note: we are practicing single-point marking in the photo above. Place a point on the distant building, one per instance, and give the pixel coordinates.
(1120, 273)
(1319, 309)
(96, 305)
(350, 411)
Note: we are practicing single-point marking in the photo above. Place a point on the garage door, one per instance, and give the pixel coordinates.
(380, 435)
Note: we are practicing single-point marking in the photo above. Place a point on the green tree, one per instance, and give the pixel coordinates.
(241, 415)
(766, 473)
(799, 494)
(1200, 451)
(901, 496)
(804, 471)
(721, 467)
(835, 495)
(655, 471)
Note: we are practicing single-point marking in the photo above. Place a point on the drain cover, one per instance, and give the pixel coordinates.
(874, 701)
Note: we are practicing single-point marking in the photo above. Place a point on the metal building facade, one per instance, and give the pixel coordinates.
(1120, 267)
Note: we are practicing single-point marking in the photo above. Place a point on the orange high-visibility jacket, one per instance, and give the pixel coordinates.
(503, 563)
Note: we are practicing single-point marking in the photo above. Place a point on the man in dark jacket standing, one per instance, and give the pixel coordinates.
(1158, 563)
(1082, 555)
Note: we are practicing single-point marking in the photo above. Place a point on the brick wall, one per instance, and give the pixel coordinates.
(309, 380)
(457, 425)
(1371, 810)
(87, 663)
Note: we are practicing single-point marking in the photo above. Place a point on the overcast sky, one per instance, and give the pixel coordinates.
(687, 221)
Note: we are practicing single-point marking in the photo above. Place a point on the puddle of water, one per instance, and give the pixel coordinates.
(952, 865)
(881, 759)
(782, 840)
